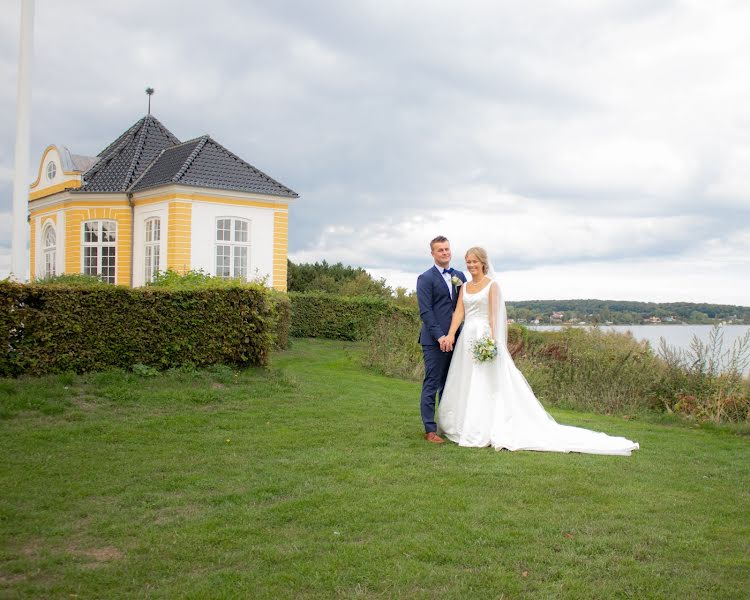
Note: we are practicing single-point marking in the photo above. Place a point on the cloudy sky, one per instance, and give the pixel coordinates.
(596, 148)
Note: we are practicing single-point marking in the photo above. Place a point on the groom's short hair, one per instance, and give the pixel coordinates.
(438, 240)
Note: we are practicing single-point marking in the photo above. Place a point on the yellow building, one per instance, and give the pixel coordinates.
(148, 203)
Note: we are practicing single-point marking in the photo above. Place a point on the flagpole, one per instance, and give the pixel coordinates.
(19, 236)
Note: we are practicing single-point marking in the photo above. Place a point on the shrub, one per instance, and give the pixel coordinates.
(394, 348)
(334, 279)
(71, 279)
(706, 381)
(282, 319)
(336, 317)
(199, 279)
(590, 369)
(58, 328)
(599, 371)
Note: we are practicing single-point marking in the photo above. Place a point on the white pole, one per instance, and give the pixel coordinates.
(19, 261)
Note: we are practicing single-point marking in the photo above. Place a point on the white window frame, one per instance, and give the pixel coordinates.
(151, 248)
(234, 253)
(51, 170)
(49, 250)
(102, 249)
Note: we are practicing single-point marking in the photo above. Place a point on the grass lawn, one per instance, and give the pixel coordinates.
(311, 480)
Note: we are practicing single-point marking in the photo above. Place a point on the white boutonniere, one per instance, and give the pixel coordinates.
(456, 281)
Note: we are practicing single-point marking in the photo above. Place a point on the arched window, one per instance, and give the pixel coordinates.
(152, 250)
(232, 247)
(51, 170)
(100, 249)
(50, 251)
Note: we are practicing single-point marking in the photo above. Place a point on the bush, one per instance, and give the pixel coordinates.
(334, 279)
(58, 328)
(394, 348)
(71, 279)
(590, 369)
(706, 381)
(282, 319)
(598, 371)
(199, 279)
(336, 317)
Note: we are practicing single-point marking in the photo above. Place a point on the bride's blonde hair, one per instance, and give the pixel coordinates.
(481, 255)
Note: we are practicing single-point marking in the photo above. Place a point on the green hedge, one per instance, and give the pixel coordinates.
(283, 319)
(47, 329)
(337, 317)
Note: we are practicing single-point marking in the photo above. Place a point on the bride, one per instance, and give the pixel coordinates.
(489, 402)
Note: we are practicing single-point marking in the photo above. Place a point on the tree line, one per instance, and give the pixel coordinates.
(345, 280)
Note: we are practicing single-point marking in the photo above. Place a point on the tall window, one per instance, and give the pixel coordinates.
(232, 247)
(50, 251)
(152, 249)
(99, 249)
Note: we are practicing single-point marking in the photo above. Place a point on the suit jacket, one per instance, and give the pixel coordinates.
(435, 304)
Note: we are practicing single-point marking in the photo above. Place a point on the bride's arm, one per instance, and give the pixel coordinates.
(494, 291)
(458, 316)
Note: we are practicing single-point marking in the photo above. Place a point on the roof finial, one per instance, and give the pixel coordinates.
(149, 92)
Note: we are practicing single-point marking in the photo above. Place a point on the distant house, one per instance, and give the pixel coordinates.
(149, 202)
(557, 316)
(652, 320)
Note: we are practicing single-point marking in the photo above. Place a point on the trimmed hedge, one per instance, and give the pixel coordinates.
(283, 321)
(48, 329)
(338, 317)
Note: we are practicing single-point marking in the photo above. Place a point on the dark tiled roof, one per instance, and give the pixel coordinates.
(148, 155)
(125, 159)
(167, 165)
(203, 162)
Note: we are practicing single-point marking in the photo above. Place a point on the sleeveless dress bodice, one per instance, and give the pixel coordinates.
(477, 305)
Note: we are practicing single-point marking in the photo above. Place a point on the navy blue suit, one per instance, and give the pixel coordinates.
(436, 309)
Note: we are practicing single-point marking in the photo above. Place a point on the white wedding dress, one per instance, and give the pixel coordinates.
(491, 404)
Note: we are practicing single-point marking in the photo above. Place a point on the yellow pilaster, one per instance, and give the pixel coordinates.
(179, 236)
(280, 249)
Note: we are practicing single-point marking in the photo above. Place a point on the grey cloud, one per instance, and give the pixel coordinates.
(375, 112)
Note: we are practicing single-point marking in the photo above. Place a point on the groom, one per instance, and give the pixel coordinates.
(437, 294)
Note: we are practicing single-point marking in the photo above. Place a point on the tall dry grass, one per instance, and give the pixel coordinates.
(599, 371)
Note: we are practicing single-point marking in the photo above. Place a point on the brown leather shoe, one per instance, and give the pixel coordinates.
(433, 437)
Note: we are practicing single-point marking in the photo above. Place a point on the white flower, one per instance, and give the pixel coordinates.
(456, 281)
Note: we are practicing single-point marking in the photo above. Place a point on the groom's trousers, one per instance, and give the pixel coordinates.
(436, 365)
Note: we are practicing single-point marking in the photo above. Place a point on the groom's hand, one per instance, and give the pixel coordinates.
(445, 344)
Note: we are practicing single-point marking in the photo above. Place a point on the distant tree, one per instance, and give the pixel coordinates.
(334, 279)
(403, 297)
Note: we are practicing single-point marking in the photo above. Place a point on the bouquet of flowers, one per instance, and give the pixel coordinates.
(484, 349)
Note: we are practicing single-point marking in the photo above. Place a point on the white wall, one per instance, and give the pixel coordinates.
(204, 219)
(140, 215)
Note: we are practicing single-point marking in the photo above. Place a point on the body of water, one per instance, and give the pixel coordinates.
(679, 336)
